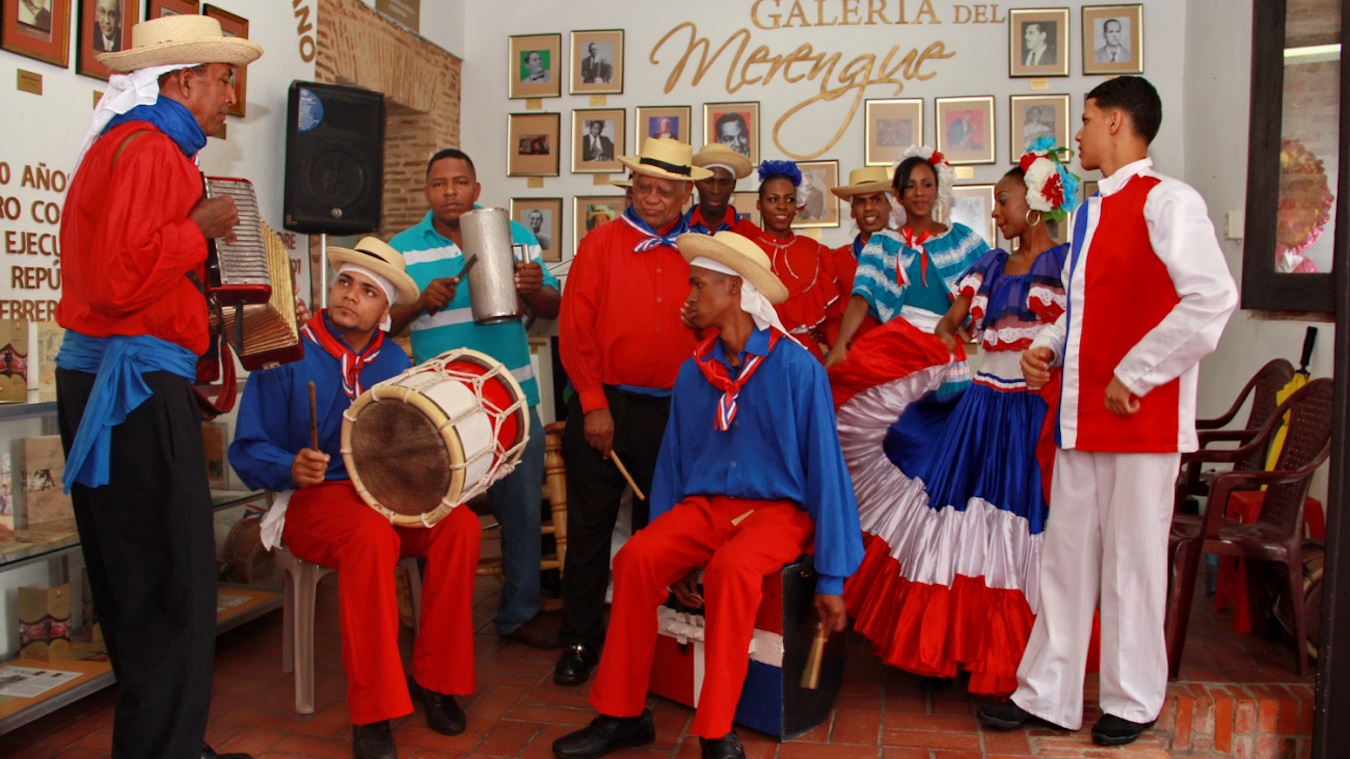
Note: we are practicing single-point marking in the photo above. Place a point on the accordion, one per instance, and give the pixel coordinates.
(249, 279)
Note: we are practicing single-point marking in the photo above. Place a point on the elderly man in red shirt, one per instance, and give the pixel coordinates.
(622, 341)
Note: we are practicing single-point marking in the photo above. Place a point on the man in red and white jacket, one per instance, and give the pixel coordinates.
(1149, 295)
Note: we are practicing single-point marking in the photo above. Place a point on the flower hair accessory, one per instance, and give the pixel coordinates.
(946, 176)
(1051, 188)
(770, 169)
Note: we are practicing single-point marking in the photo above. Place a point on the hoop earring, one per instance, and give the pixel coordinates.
(1039, 217)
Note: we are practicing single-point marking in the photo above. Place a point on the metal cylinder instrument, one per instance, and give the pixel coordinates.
(492, 282)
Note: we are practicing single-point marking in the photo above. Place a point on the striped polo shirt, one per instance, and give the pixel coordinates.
(430, 256)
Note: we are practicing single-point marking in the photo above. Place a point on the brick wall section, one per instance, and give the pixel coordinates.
(1272, 721)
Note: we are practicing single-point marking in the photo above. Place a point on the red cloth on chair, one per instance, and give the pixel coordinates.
(1245, 507)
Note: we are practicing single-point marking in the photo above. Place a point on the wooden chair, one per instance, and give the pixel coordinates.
(1262, 388)
(1277, 533)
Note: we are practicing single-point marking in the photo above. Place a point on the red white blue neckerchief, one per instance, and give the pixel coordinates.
(652, 238)
(719, 376)
(352, 362)
(915, 242)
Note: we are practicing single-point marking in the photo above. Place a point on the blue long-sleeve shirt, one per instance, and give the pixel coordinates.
(782, 445)
(273, 422)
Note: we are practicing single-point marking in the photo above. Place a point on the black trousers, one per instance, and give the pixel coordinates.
(150, 550)
(594, 487)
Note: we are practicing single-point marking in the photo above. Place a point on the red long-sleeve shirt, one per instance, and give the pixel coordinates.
(620, 321)
(127, 243)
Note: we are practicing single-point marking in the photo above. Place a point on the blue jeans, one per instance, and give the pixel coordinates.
(516, 502)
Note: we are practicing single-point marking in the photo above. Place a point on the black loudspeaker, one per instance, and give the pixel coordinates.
(334, 159)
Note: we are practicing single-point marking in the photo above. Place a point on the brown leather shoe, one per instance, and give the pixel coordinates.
(207, 753)
(536, 633)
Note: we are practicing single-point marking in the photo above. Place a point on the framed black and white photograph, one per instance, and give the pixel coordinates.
(816, 205)
(973, 206)
(672, 121)
(735, 125)
(1036, 116)
(597, 62)
(597, 140)
(532, 144)
(590, 211)
(1038, 42)
(543, 217)
(1113, 39)
(534, 66)
(965, 129)
(38, 29)
(104, 27)
(892, 126)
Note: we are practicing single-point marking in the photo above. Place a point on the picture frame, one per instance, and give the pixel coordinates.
(161, 8)
(43, 35)
(1089, 186)
(533, 144)
(103, 28)
(816, 205)
(597, 152)
(543, 217)
(973, 206)
(534, 66)
(598, 71)
(1113, 39)
(747, 205)
(657, 120)
(232, 25)
(965, 129)
(1034, 116)
(735, 125)
(590, 211)
(1038, 42)
(890, 127)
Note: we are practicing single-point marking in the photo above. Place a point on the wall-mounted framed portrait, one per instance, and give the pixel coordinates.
(747, 205)
(672, 121)
(598, 138)
(1033, 117)
(597, 62)
(1113, 39)
(735, 125)
(816, 205)
(590, 211)
(973, 206)
(1089, 188)
(965, 129)
(543, 217)
(232, 25)
(161, 8)
(39, 29)
(1038, 42)
(891, 126)
(104, 27)
(534, 66)
(532, 141)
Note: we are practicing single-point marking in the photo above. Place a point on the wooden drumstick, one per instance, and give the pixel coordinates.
(637, 491)
(313, 419)
(811, 674)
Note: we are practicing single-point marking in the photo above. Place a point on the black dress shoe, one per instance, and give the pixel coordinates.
(575, 665)
(443, 714)
(606, 734)
(1007, 715)
(1111, 730)
(726, 747)
(207, 753)
(373, 741)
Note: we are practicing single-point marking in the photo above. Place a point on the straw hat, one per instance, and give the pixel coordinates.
(375, 254)
(180, 39)
(625, 183)
(864, 181)
(664, 158)
(739, 253)
(718, 154)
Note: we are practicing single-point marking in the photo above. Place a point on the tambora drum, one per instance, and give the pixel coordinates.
(420, 444)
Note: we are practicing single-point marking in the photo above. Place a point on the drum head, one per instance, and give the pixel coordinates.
(404, 464)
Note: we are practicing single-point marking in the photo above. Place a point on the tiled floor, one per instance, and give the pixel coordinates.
(518, 711)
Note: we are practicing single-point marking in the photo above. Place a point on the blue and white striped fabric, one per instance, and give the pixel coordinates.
(877, 282)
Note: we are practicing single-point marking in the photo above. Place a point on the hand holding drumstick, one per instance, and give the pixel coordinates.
(310, 464)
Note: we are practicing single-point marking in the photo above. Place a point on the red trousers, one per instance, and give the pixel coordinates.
(330, 525)
(696, 533)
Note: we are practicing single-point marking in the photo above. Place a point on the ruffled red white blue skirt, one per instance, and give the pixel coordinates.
(951, 480)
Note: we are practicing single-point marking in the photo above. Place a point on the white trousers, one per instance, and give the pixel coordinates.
(1105, 543)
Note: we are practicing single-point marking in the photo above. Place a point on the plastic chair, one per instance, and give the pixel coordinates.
(297, 619)
(1262, 388)
(1277, 533)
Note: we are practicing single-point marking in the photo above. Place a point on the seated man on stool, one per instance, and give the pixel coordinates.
(749, 475)
(325, 522)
